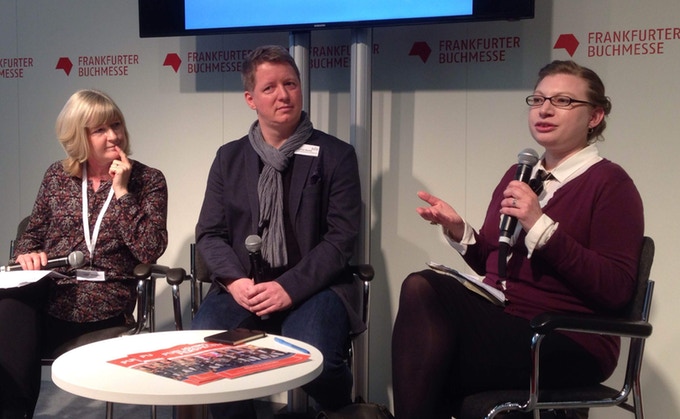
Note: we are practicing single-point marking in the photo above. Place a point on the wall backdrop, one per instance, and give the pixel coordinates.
(448, 117)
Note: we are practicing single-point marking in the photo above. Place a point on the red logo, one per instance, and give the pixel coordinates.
(567, 42)
(421, 49)
(173, 60)
(65, 64)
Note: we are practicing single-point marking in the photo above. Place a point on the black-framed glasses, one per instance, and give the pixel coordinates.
(559, 101)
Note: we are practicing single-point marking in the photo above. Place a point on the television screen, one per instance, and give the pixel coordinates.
(195, 17)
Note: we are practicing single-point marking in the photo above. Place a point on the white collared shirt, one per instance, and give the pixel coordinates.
(539, 234)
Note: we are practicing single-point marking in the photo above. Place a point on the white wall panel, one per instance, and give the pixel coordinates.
(442, 123)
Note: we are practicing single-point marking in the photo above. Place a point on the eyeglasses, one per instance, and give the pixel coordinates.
(557, 101)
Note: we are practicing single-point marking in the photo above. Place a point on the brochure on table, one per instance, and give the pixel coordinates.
(204, 362)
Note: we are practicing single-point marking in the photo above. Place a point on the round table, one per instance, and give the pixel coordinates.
(85, 371)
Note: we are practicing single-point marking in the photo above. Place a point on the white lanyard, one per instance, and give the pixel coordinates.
(92, 241)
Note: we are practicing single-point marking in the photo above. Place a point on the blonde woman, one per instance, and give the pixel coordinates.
(97, 201)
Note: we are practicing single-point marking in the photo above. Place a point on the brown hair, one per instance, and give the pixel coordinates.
(264, 54)
(596, 94)
(85, 109)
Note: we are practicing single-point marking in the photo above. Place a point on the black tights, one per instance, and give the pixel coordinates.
(448, 342)
(26, 333)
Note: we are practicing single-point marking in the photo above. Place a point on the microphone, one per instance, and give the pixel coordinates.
(526, 160)
(74, 259)
(253, 245)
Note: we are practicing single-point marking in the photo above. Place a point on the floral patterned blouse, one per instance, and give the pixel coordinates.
(132, 231)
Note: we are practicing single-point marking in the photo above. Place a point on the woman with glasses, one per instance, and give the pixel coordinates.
(575, 250)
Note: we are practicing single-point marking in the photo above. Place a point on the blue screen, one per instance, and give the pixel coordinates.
(219, 14)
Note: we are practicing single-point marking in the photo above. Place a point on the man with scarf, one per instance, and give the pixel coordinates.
(298, 188)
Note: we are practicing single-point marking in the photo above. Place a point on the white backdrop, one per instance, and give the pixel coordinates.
(450, 122)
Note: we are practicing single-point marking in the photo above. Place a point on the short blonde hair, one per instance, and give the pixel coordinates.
(265, 54)
(85, 109)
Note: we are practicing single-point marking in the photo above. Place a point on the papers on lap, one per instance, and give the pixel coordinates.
(472, 283)
(201, 363)
(16, 279)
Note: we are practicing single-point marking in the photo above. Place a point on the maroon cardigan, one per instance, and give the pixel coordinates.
(589, 265)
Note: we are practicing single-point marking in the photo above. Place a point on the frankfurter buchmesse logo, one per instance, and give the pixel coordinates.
(99, 65)
(211, 61)
(618, 43)
(468, 50)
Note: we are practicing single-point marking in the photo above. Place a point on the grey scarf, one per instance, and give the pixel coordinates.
(270, 188)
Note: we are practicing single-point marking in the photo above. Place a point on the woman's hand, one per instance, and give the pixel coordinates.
(439, 212)
(32, 261)
(120, 173)
(521, 202)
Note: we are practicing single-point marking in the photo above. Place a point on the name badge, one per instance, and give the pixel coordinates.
(308, 150)
(87, 275)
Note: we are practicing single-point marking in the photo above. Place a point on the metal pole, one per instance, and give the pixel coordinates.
(299, 49)
(360, 138)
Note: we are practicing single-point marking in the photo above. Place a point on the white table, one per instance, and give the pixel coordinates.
(85, 371)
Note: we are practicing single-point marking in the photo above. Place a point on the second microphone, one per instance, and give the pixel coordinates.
(254, 245)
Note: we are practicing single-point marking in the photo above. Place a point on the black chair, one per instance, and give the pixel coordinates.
(357, 354)
(574, 402)
(145, 320)
(146, 275)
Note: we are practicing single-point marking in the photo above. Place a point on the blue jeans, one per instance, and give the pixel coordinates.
(320, 321)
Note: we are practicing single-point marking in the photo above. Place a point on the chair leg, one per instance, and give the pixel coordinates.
(637, 399)
(359, 367)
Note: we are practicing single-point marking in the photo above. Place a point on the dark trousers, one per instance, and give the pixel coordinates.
(27, 333)
(448, 343)
(321, 321)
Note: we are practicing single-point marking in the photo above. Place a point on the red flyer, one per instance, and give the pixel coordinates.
(204, 362)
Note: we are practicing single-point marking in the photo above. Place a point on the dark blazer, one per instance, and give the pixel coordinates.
(325, 210)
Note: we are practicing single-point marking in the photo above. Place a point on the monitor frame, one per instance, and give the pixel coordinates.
(165, 18)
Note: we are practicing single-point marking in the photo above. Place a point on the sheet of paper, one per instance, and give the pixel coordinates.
(15, 279)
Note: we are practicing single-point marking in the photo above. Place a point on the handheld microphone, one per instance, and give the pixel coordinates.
(526, 160)
(253, 245)
(74, 259)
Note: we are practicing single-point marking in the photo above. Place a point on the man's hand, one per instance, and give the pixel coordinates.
(268, 297)
(260, 299)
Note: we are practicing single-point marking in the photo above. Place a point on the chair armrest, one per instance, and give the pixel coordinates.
(175, 276)
(547, 322)
(145, 270)
(146, 273)
(365, 272)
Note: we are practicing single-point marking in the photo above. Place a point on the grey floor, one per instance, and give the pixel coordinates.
(57, 403)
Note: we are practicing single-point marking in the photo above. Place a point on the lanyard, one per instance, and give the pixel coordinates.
(92, 241)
